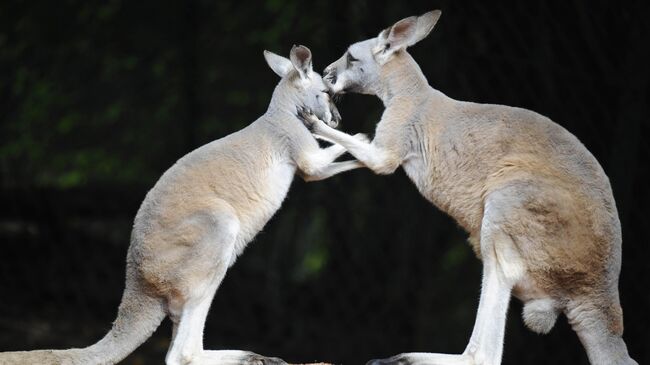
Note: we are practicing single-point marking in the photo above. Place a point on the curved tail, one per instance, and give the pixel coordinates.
(137, 318)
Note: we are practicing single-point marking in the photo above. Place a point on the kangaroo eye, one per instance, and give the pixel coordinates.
(350, 59)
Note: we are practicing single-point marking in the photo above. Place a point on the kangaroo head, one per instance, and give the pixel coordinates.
(301, 86)
(360, 67)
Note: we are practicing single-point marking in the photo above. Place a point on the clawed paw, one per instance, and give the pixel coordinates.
(308, 118)
(255, 359)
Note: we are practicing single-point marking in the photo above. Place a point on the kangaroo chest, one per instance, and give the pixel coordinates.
(264, 196)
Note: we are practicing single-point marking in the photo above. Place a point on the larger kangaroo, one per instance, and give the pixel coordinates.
(199, 217)
(537, 205)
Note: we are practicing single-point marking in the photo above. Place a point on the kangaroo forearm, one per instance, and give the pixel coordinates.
(333, 152)
(332, 169)
(312, 162)
(351, 144)
(379, 160)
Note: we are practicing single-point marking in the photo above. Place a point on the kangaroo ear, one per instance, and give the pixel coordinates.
(278, 64)
(425, 25)
(406, 32)
(301, 59)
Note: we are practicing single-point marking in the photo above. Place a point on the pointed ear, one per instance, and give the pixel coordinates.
(407, 32)
(278, 64)
(301, 59)
(400, 34)
(425, 25)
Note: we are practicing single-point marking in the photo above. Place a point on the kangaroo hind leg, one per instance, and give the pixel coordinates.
(202, 274)
(502, 269)
(600, 329)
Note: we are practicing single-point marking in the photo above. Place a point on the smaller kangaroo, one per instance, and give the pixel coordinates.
(537, 205)
(200, 216)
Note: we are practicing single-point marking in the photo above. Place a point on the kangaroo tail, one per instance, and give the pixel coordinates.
(137, 318)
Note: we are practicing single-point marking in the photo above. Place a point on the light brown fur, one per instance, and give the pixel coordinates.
(552, 235)
(199, 217)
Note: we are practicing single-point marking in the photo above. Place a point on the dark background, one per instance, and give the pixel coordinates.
(98, 98)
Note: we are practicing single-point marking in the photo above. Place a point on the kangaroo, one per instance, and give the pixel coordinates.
(537, 205)
(200, 216)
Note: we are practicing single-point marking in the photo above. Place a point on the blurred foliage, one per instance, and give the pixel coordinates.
(112, 92)
(98, 98)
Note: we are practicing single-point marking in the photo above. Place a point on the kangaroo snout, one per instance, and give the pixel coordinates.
(329, 75)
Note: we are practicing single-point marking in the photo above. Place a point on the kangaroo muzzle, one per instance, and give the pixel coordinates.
(330, 75)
